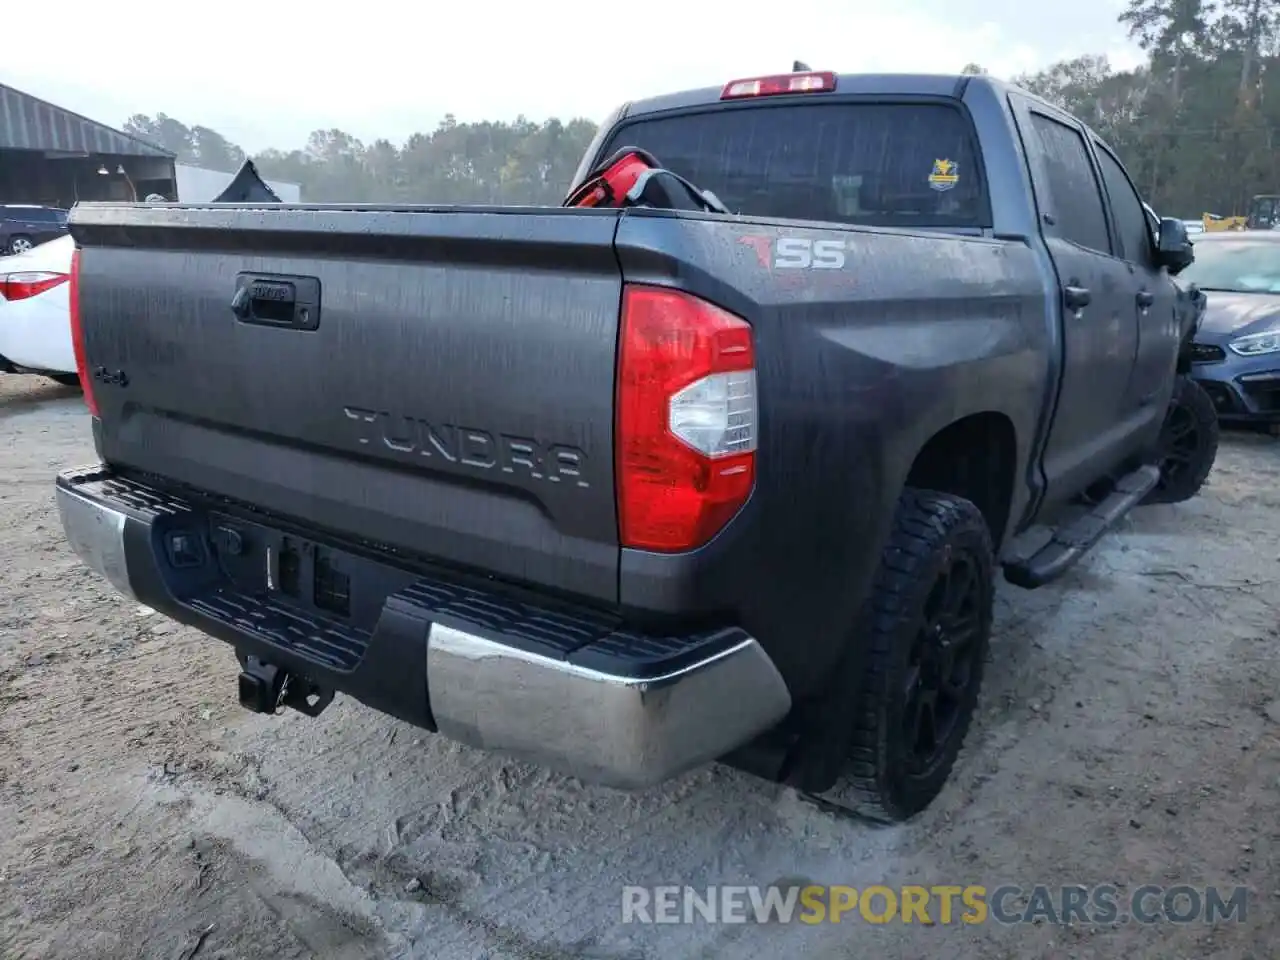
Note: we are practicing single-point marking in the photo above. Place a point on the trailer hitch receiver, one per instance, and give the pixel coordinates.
(265, 688)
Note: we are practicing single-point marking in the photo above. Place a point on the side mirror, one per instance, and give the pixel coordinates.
(1173, 249)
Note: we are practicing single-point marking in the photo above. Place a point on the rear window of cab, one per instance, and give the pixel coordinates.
(882, 164)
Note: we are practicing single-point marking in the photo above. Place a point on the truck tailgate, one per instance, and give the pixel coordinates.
(438, 381)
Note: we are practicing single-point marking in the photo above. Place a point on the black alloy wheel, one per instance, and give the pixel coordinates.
(941, 669)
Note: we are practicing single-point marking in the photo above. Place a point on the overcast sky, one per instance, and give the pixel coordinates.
(266, 73)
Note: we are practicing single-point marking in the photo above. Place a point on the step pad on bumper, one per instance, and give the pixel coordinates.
(574, 689)
(328, 644)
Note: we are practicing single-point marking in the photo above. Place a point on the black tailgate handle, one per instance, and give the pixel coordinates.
(277, 300)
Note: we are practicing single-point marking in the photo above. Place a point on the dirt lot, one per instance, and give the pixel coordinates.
(1125, 738)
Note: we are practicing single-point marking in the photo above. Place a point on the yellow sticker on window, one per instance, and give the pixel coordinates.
(945, 175)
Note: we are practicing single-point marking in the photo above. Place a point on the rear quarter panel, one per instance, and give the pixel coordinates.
(857, 368)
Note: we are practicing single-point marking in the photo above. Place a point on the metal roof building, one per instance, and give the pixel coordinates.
(29, 123)
(51, 155)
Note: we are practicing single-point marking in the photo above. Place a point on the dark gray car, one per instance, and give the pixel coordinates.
(23, 226)
(1236, 355)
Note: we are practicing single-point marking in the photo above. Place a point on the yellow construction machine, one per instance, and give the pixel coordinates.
(1264, 214)
(1214, 223)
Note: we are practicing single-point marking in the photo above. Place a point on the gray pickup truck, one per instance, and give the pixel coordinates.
(626, 491)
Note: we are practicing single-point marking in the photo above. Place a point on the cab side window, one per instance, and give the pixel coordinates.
(1132, 222)
(1076, 201)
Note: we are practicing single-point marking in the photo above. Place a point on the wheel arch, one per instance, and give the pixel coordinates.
(974, 457)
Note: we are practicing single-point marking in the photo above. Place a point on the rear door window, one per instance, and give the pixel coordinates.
(1075, 198)
(1131, 218)
(910, 165)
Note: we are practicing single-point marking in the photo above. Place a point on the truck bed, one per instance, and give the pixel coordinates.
(455, 402)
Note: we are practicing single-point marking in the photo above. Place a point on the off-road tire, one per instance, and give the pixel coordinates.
(929, 531)
(65, 379)
(1190, 408)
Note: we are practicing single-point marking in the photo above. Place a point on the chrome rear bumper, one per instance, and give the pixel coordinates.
(630, 728)
(601, 727)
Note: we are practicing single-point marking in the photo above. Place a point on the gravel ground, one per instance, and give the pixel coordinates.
(1125, 738)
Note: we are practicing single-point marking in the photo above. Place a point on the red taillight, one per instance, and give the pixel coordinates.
(23, 286)
(821, 82)
(686, 419)
(77, 335)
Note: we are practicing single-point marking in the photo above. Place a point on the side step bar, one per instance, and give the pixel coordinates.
(1072, 541)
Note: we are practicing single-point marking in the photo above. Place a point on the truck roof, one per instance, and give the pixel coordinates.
(901, 84)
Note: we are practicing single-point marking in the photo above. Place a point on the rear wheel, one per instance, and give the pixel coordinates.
(20, 244)
(927, 626)
(1188, 444)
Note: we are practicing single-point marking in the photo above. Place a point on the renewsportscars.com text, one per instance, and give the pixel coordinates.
(941, 904)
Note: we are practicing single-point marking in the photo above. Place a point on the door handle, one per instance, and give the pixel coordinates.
(1145, 298)
(276, 300)
(1076, 297)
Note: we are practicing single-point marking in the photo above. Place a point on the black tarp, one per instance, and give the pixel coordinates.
(247, 187)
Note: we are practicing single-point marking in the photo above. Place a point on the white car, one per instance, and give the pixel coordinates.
(35, 315)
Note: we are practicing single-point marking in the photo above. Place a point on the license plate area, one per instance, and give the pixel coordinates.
(305, 572)
(319, 579)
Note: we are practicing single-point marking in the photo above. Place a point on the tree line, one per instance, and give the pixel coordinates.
(1197, 125)
(520, 162)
